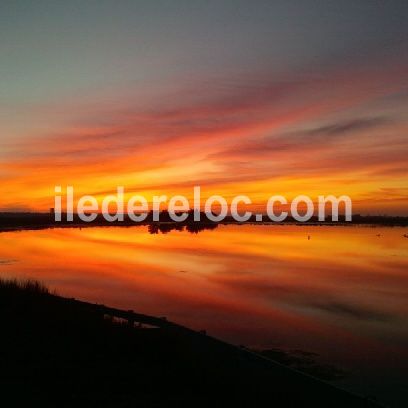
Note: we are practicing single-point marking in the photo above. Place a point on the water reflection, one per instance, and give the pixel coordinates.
(342, 293)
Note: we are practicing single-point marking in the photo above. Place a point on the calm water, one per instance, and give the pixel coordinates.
(342, 294)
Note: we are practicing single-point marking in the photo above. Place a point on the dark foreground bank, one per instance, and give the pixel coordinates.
(65, 353)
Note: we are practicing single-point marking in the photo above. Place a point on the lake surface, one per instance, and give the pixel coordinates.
(341, 292)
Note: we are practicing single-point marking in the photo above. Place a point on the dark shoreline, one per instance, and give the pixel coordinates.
(33, 221)
(82, 354)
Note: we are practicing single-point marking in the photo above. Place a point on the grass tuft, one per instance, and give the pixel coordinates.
(26, 285)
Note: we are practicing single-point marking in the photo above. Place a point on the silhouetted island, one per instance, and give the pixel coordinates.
(63, 352)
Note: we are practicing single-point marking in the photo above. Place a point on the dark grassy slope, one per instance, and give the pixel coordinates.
(63, 353)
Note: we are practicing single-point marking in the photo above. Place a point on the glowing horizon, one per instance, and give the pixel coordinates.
(237, 105)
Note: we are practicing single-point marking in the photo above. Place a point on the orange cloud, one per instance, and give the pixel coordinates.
(324, 132)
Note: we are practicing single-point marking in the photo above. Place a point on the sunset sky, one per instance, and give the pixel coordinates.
(240, 97)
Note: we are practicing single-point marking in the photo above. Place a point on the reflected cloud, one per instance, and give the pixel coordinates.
(348, 310)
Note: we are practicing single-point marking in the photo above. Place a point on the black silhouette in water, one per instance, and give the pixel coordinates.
(157, 228)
